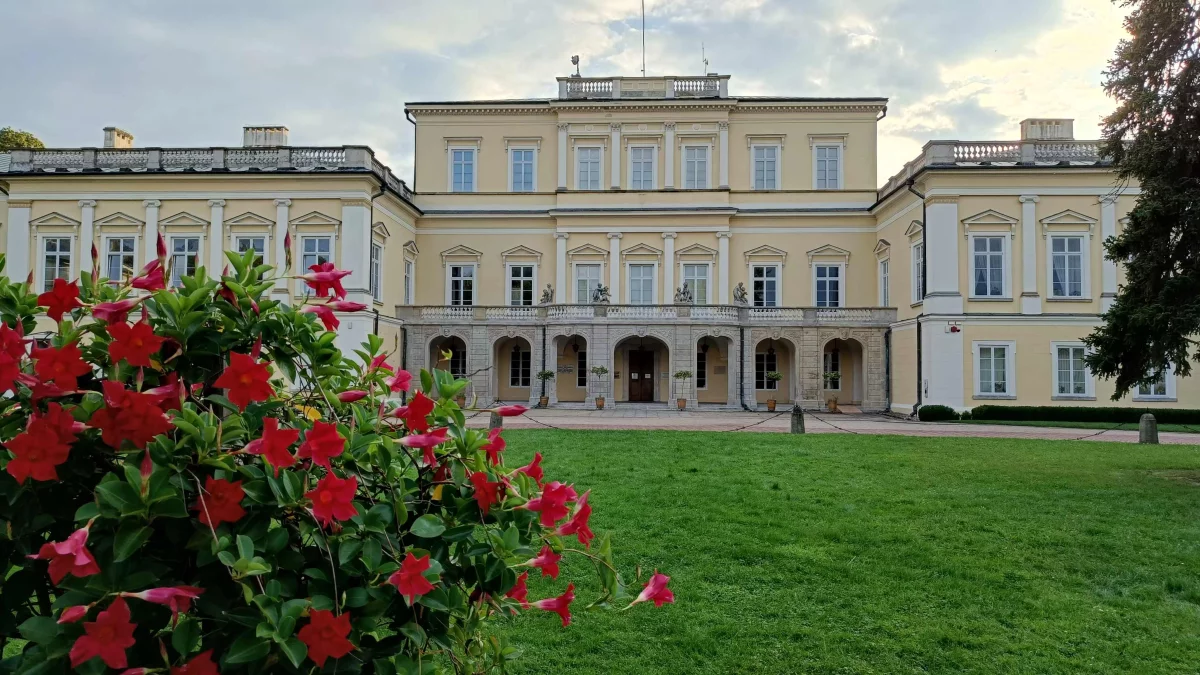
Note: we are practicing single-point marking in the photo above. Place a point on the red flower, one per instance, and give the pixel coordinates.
(547, 562)
(486, 492)
(62, 365)
(325, 314)
(114, 312)
(60, 299)
(578, 524)
(426, 442)
(326, 635)
(222, 503)
(245, 380)
(325, 279)
(416, 412)
(560, 605)
(107, 637)
(656, 590)
(59, 421)
(494, 446)
(44, 445)
(160, 247)
(519, 592)
(534, 468)
(410, 579)
(73, 614)
(201, 664)
(333, 499)
(322, 443)
(177, 598)
(401, 381)
(133, 343)
(171, 393)
(129, 416)
(379, 363)
(69, 557)
(510, 410)
(552, 503)
(345, 306)
(274, 444)
(12, 350)
(352, 395)
(150, 278)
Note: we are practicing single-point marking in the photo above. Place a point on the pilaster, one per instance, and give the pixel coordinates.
(723, 282)
(17, 240)
(614, 267)
(151, 243)
(355, 248)
(723, 140)
(87, 233)
(1108, 269)
(668, 272)
(1031, 302)
(281, 232)
(216, 238)
(561, 292)
(615, 162)
(941, 245)
(669, 169)
(562, 155)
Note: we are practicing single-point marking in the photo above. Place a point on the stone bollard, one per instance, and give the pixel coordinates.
(797, 420)
(495, 422)
(1148, 429)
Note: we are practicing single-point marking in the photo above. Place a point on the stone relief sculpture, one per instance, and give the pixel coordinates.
(683, 295)
(739, 294)
(600, 295)
(547, 295)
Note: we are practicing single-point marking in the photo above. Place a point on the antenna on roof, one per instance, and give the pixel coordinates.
(643, 38)
(703, 60)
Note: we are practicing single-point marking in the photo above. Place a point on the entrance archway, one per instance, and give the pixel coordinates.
(774, 356)
(572, 374)
(457, 363)
(514, 372)
(844, 357)
(641, 370)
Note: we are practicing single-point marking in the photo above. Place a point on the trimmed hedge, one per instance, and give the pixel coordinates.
(936, 413)
(1046, 413)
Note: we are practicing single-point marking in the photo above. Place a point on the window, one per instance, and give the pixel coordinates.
(995, 369)
(765, 362)
(185, 258)
(695, 278)
(828, 169)
(56, 256)
(587, 280)
(828, 285)
(314, 251)
(522, 169)
(987, 267)
(1066, 267)
(641, 168)
(518, 367)
(462, 285)
(833, 364)
(458, 361)
(520, 285)
(377, 272)
(408, 282)
(641, 284)
(702, 368)
(885, 299)
(766, 167)
(695, 167)
(1070, 374)
(765, 279)
(918, 267)
(581, 369)
(588, 176)
(462, 169)
(256, 244)
(119, 258)
(1162, 388)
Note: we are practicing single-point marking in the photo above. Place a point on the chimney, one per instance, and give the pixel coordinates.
(264, 136)
(1048, 129)
(117, 138)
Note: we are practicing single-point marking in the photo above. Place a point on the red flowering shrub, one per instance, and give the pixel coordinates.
(196, 480)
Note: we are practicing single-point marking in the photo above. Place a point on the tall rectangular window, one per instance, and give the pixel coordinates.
(462, 170)
(519, 366)
(1066, 267)
(1070, 375)
(701, 369)
(120, 260)
(695, 278)
(641, 284)
(641, 168)
(765, 284)
(256, 244)
(833, 370)
(588, 168)
(462, 285)
(829, 285)
(1155, 389)
(314, 251)
(458, 361)
(520, 285)
(766, 167)
(918, 267)
(765, 362)
(587, 280)
(522, 170)
(581, 369)
(56, 260)
(185, 258)
(987, 266)
(377, 272)
(885, 290)
(695, 167)
(408, 282)
(993, 370)
(828, 167)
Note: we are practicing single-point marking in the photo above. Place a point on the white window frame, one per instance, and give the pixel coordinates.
(511, 175)
(778, 185)
(302, 288)
(519, 382)
(579, 165)
(653, 165)
(841, 169)
(450, 150)
(105, 253)
(238, 237)
(175, 271)
(1170, 396)
(72, 264)
(654, 297)
(917, 250)
(410, 272)
(575, 280)
(508, 279)
(768, 385)
(885, 280)
(376, 279)
(708, 156)
(1005, 266)
(1010, 369)
(1085, 266)
(841, 282)
(1089, 382)
(778, 284)
(474, 286)
(708, 282)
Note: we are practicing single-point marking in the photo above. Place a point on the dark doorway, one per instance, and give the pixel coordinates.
(641, 375)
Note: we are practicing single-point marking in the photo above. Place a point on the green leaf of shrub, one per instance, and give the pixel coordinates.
(428, 526)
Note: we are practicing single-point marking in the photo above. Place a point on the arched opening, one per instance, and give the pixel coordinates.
(641, 370)
(457, 362)
(842, 372)
(711, 377)
(773, 356)
(572, 372)
(514, 371)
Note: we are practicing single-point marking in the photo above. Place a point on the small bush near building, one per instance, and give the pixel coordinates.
(1024, 413)
(936, 413)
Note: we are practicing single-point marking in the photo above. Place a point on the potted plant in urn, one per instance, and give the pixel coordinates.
(599, 372)
(832, 376)
(775, 377)
(544, 376)
(683, 376)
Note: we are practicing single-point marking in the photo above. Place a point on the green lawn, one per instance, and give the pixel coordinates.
(861, 554)
(1131, 426)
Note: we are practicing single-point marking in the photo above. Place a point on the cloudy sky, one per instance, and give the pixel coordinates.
(193, 73)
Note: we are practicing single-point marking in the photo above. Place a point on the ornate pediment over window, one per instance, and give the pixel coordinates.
(828, 251)
(766, 253)
(250, 220)
(184, 219)
(641, 251)
(990, 220)
(54, 219)
(378, 229)
(521, 254)
(696, 252)
(410, 249)
(460, 254)
(315, 218)
(588, 250)
(1067, 220)
(119, 220)
(915, 229)
(883, 248)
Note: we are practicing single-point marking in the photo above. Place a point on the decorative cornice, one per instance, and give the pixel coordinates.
(356, 202)
(20, 205)
(942, 200)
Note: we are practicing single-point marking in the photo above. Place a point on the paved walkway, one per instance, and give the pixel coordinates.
(780, 422)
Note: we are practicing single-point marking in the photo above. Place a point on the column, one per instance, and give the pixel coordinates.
(151, 242)
(355, 245)
(669, 180)
(941, 247)
(668, 275)
(615, 162)
(723, 133)
(561, 292)
(87, 237)
(614, 267)
(1108, 268)
(216, 238)
(281, 231)
(17, 240)
(723, 284)
(562, 155)
(1031, 303)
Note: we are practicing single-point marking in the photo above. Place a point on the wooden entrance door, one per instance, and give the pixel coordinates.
(641, 376)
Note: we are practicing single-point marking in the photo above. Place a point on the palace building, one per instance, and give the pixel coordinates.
(649, 225)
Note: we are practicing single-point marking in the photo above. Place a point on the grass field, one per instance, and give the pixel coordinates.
(861, 554)
(1129, 426)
